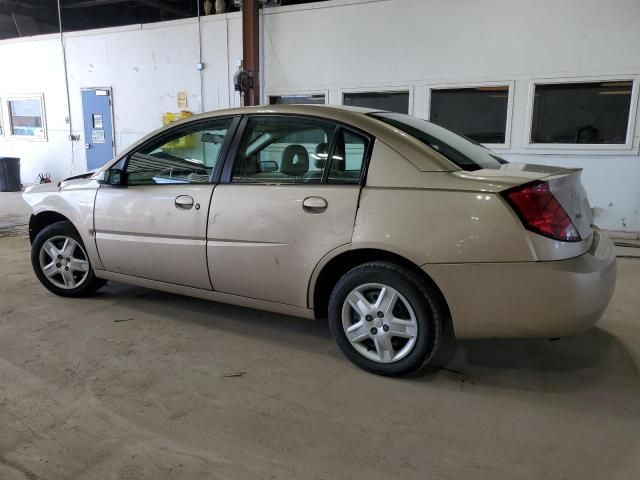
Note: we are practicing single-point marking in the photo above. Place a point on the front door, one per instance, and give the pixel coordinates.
(154, 225)
(98, 129)
(289, 199)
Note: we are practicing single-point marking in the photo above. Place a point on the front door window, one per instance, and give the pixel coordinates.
(188, 156)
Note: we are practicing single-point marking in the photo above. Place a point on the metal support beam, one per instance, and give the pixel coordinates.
(251, 48)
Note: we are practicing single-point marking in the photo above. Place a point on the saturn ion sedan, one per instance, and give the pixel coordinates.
(393, 228)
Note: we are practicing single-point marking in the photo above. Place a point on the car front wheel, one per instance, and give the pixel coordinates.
(61, 263)
(385, 318)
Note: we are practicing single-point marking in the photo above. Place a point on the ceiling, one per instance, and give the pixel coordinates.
(22, 18)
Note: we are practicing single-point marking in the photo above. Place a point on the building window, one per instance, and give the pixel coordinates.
(581, 113)
(389, 101)
(26, 117)
(479, 113)
(318, 99)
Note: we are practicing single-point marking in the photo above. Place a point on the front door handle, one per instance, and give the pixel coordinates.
(184, 202)
(314, 204)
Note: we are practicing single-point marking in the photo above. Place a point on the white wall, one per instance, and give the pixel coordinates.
(28, 66)
(145, 65)
(337, 46)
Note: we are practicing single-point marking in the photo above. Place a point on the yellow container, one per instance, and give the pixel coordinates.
(168, 118)
(183, 142)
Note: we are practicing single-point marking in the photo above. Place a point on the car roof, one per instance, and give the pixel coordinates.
(424, 158)
(329, 111)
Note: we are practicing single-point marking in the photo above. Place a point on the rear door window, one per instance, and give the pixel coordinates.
(348, 158)
(298, 150)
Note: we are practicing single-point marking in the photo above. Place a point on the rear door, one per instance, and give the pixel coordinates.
(154, 226)
(289, 197)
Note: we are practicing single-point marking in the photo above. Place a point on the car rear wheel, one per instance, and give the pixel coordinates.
(385, 318)
(61, 263)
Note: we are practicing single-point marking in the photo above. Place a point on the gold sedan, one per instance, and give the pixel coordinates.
(393, 228)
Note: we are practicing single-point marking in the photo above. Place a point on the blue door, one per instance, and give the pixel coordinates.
(98, 130)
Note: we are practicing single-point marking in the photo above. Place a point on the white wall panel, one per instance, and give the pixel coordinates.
(339, 46)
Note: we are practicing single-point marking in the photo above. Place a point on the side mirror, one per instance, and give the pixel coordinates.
(110, 177)
(268, 166)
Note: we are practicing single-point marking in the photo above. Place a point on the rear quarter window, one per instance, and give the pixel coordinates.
(463, 152)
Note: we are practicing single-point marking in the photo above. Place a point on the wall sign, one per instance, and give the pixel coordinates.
(182, 100)
(97, 136)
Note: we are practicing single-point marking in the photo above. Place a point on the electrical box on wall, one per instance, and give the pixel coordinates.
(181, 100)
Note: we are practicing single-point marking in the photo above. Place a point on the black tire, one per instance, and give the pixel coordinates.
(88, 286)
(423, 298)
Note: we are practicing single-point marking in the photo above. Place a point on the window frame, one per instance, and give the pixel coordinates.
(7, 116)
(386, 89)
(594, 148)
(165, 135)
(510, 84)
(283, 93)
(231, 154)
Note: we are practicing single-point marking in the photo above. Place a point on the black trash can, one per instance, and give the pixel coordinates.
(10, 174)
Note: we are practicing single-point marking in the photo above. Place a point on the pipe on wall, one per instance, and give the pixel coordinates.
(251, 48)
(66, 84)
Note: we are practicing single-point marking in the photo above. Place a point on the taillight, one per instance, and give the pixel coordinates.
(540, 212)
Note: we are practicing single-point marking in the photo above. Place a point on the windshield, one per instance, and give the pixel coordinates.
(465, 153)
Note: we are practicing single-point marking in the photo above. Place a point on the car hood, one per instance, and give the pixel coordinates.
(81, 175)
(35, 193)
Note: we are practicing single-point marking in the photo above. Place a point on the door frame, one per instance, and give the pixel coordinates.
(113, 125)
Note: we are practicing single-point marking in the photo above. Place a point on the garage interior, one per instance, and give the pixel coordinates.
(135, 383)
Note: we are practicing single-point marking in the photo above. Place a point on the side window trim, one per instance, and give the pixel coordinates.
(231, 157)
(332, 150)
(235, 119)
(224, 151)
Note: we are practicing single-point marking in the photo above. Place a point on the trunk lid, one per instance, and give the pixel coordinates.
(570, 193)
(564, 183)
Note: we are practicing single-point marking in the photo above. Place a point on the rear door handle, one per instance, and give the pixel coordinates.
(314, 204)
(184, 202)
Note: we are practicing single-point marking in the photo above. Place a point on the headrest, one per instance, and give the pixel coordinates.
(295, 161)
(322, 153)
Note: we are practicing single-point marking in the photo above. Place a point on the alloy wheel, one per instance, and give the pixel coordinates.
(379, 322)
(64, 262)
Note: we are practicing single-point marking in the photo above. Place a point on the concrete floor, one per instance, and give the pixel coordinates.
(13, 210)
(138, 384)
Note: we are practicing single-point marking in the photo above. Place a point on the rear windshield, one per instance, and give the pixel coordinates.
(465, 153)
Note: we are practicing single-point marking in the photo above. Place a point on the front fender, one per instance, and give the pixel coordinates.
(74, 200)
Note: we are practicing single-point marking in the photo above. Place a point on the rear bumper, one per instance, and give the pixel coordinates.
(530, 299)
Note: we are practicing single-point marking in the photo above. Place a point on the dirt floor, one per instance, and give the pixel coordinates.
(139, 384)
